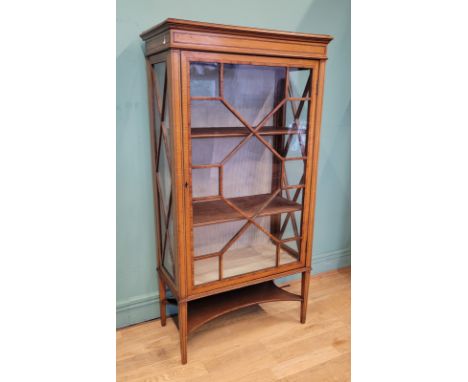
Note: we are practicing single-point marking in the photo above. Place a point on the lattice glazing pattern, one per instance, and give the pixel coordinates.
(249, 128)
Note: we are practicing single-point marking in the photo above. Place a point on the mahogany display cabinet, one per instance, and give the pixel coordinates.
(234, 124)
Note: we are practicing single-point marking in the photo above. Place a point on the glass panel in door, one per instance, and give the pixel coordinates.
(248, 127)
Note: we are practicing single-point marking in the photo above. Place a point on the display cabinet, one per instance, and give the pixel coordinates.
(234, 126)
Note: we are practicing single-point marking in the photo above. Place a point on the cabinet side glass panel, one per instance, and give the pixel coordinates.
(163, 167)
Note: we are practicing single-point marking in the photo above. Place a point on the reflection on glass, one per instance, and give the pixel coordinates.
(204, 79)
(164, 174)
(297, 114)
(299, 82)
(212, 114)
(253, 91)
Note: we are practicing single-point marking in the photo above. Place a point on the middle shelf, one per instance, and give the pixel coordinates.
(217, 211)
(214, 132)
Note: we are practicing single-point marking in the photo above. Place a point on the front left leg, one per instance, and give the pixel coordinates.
(305, 295)
(183, 331)
(162, 300)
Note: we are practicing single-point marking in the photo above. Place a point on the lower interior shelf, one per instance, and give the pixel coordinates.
(240, 261)
(217, 211)
(207, 308)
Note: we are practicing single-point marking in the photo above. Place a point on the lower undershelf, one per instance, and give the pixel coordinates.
(207, 308)
(240, 261)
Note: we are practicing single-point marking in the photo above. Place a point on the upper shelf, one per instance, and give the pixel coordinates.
(217, 211)
(213, 132)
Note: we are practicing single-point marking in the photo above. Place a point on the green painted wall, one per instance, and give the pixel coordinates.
(136, 276)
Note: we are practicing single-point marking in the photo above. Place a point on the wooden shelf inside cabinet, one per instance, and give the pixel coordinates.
(244, 260)
(217, 211)
(214, 132)
(205, 309)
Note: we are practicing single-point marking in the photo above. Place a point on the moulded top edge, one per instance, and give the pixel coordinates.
(239, 30)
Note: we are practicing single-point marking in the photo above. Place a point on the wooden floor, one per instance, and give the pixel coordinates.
(256, 344)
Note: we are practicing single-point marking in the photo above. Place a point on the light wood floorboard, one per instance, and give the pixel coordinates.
(259, 343)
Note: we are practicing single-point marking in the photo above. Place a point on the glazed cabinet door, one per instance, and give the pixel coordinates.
(248, 138)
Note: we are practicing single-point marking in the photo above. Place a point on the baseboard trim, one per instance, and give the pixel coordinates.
(146, 307)
(327, 261)
(136, 302)
(137, 309)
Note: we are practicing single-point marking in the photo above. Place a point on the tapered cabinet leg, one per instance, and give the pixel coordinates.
(162, 300)
(305, 295)
(183, 331)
